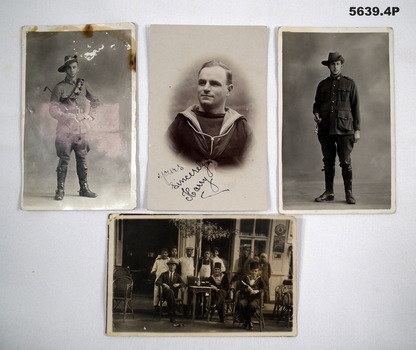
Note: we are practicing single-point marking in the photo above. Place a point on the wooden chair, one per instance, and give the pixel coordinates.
(121, 271)
(122, 295)
(178, 301)
(257, 318)
(283, 305)
(228, 304)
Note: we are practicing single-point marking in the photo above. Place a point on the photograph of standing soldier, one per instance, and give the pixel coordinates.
(73, 105)
(337, 115)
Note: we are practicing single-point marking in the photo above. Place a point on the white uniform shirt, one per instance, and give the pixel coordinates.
(187, 267)
(217, 259)
(159, 267)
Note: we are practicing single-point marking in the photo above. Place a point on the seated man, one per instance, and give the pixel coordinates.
(220, 285)
(251, 288)
(170, 282)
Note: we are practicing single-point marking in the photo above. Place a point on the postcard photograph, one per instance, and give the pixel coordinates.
(201, 276)
(207, 118)
(78, 117)
(336, 120)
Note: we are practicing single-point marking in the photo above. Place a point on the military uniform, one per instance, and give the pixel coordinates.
(250, 299)
(226, 147)
(337, 103)
(73, 105)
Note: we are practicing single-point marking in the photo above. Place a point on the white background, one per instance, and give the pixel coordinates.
(357, 274)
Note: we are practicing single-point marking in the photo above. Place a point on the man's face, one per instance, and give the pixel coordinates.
(207, 255)
(213, 89)
(216, 252)
(254, 272)
(172, 267)
(174, 252)
(335, 67)
(72, 70)
(217, 271)
(189, 253)
(164, 254)
(246, 252)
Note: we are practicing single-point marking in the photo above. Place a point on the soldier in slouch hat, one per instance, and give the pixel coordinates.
(337, 114)
(73, 104)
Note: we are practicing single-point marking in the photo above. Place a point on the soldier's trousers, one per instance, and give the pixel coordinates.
(331, 145)
(65, 143)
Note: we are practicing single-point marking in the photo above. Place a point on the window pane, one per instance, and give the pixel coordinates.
(259, 247)
(262, 227)
(246, 227)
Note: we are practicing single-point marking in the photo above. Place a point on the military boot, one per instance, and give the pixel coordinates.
(347, 177)
(328, 195)
(84, 190)
(61, 176)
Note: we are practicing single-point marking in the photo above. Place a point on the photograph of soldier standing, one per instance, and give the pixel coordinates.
(73, 105)
(337, 114)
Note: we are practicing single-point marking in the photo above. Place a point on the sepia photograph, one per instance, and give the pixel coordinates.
(207, 118)
(336, 120)
(78, 117)
(201, 275)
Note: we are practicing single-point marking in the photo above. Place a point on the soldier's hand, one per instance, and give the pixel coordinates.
(317, 119)
(71, 116)
(85, 117)
(356, 135)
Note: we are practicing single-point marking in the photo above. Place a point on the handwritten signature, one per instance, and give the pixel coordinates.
(204, 186)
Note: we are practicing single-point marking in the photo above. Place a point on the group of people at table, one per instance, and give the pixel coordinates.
(173, 273)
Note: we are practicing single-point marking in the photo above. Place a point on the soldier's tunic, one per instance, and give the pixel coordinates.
(337, 103)
(70, 105)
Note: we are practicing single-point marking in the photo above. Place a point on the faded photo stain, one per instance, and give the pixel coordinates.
(88, 31)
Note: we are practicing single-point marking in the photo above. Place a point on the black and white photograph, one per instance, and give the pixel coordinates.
(207, 118)
(201, 275)
(336, 118)
(78, 117)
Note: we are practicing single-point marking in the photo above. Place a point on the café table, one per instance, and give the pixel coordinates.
(200, 290)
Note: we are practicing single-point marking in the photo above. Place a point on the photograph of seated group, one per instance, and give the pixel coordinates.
(201, 275)
(336, 120)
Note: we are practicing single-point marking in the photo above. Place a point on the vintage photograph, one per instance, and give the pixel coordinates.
(336, 120)
(201, 275)
(207, 118)
(78, 117)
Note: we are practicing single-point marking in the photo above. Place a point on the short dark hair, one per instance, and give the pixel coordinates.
(215, 63)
